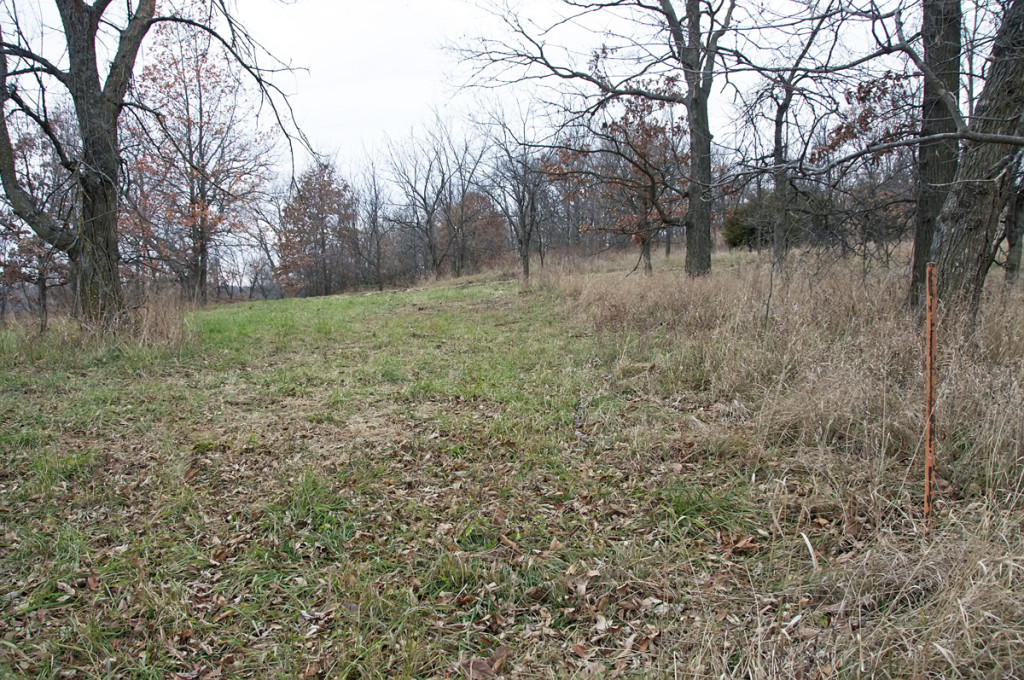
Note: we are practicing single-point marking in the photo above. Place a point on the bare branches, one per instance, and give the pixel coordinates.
(248, 54)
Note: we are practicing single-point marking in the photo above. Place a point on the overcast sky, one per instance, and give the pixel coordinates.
(374, 69)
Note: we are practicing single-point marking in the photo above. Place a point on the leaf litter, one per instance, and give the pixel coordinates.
(445, 533)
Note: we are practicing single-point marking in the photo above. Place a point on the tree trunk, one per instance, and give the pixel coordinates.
(41, 290)
(91, 241)
(202, 268)
(936, 160)
(781, 238)
(698, 217)
(780, 231)
(1014, 234)
(645, 251)
(967, 234)
(96, 280)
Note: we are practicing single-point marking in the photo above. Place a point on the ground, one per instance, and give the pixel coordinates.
(481, 479)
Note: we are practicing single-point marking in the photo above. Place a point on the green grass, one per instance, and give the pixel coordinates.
(387, 485)
(297, 456)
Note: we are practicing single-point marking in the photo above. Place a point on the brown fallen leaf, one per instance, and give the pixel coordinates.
(477, 668)
(505, 540)
(223, 615)
(535, 593)
(746, 545)
(498, 657)
(579, 650)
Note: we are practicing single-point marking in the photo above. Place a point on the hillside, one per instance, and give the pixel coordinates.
(601, 475)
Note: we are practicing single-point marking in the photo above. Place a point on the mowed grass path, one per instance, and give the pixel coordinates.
(474, 481)
(364, 486)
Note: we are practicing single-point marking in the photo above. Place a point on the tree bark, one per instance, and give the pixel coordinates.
(41, 291)
(697, 59)
(780, 177)
(95, 259)
(967, 235)
(936, 160)
(1014, 236)
(698, 62)
(92, 246)
(524, 258)
(698, 217)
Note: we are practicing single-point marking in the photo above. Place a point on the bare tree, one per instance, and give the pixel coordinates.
(421, 177)
(373, 238)
(662, 49)
(195, 172)
(433, 173)
(937, 159)
(516, 182)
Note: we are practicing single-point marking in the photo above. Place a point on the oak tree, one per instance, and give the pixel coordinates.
(317, 228)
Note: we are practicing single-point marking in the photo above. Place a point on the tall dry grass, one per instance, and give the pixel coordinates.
(826, 370)
(827, 361)
(156, 319)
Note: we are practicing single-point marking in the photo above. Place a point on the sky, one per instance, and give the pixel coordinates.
(373, 70)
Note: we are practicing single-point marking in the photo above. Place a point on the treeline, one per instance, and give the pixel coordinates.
(847, 130)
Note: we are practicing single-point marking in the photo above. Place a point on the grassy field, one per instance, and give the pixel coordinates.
(601, 475)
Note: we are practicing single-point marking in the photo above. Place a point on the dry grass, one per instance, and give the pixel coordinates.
(159, 319)
(818, 390)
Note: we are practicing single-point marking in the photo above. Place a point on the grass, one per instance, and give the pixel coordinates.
(599, 475)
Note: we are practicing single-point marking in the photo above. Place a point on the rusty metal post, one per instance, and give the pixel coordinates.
(929, 389)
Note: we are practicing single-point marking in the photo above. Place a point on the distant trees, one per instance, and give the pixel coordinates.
(28, 269)
(660, 54)
(433, 174)
(844, 146)
(837, 173)
(517, 184)
(196, 171)
(376, 242)
(28, 265)
(317, 232)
